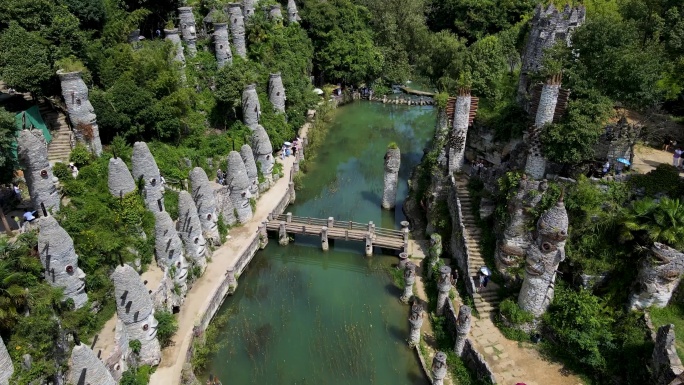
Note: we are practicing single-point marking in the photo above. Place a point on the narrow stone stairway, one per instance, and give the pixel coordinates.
(487, 300)
(60, 147)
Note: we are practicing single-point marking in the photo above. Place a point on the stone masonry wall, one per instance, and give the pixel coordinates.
(237, 29)
(222, 45)
(457, 242)
(276, 92)
(33, 157)
(81, 112)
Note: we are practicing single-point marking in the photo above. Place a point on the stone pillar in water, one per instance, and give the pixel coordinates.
(444, 287)
(60, 261)
(276, 92)
(435, 252)
(369, 244)
(392, 163)
(409, 280)
(251, 109)
(292, 13)
(283, 239)
(6, 366)
(543, 258)
(33, 157)
(203, 194)
(145, 167)
(263, 152)
(535, 166)
(222, 45)
(275, 14)
(232, 280)
(172, 35)
(170, 254)
(86, 368)
(190, 230)
(658, 277)
(415, 321)
(237, 29)
(439, 368)
(247, 155)
(462, 328)
(120, 181)
(135, 309)
(459, 131)
(238, 183)
(403, 260)
(188, 29)
(81, 112)
(324, 238)
(249, 6)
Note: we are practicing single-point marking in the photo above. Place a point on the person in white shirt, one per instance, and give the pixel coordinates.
(28, 216)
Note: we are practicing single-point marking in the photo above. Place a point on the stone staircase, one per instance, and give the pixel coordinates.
(60, 147)
(487, 299)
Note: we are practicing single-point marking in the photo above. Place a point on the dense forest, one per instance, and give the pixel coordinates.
(628, 54)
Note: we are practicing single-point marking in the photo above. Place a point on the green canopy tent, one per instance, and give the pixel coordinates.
(30, 119)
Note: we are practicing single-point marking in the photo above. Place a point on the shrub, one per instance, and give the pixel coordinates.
(222, 228)
(168, 325)
(135, 346)
(171, 203)
(61, 170)
(137, 376)
(392, 146)
(514, 313)
(80, 156)
(664, 179)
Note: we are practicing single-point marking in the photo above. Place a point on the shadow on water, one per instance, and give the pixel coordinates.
(393, 290)
(371, 197)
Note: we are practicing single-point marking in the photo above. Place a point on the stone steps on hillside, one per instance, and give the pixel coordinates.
(60, 147)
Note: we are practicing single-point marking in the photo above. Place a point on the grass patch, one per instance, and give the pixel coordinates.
(671, 314)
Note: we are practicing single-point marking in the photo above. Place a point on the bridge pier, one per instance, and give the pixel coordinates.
(283, 238)
(295, 167)
(409, 280)
(289, 217)
(263, 235)
(331, 222)
(369, 245)
(232, 281)
(324, 238)
(371, 229)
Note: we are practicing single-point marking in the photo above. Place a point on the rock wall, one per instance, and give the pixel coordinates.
(457, 242)
(666, 364)
(238, 183)
(247, 155)
(60, 261)
(251, 108)
(188, 29)
(119, 178)
(173, 36)
(536, 162)
(33, 157)
(276, 92)
(190, 230)
(145, 168)
(391, 178)
(292, 13)
(81, 112)
(476, 362)
(659, 275)
(86, 368)
(203, 194)
(237, 29)
(222, 45)
(617, 141)
(6, 366)
(457, 143)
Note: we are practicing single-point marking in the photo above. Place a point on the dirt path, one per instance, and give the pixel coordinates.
(648, 158)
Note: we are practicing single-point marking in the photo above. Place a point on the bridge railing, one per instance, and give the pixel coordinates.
(346, 225)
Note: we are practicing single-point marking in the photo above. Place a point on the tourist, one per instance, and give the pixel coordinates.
(219, 176)
(28, 215)
(676, 157)
(17, 192)
(282, 152)
(483, 276)
(606, 168)
(74, 170)
(619, 167)
(667, 142)
(163, 181)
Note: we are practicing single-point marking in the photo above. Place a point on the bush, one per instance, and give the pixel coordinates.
(168, 325)
(137, 376)
(80, 156)
(135, 346)
(664, 179)
(171, 204)
(61, 170)
(513, 313)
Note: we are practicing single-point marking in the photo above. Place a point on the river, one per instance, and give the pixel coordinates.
(304, 316)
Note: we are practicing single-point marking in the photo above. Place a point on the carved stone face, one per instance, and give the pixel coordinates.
(145, 330)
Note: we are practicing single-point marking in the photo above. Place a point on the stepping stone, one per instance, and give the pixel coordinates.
(489, 350)
(499, 347)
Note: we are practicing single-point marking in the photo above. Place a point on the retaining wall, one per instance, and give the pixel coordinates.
(476, 362)
(458, 242)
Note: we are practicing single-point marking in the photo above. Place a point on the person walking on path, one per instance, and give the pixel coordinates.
(676, 157)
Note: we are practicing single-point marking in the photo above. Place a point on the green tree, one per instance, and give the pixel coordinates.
(7, 139)
(650, 221)
(25, 62)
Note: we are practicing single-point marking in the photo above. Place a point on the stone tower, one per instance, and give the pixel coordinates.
(86, 368)
(238, 183)
(443, 287)
(543, 258)
(33, 157)
(190, 230)
(658, 277)
(292, 13)
(135, 309)
(548, 26)
(250, 165)
(276, 92)
(60, 261)
(415, 321)
(263, 152)
(251, 108)
(173, 36)
(81, 113)
(439, 368)
(666, 365)
(274, 13)
(145, 168)
(203, 194)
(462, 328)
(188, 29)
(170, 255)
(120, 181)
(409, 280)
(457, 142)
(535, 166)
(6, 366)
(392, 164)
(222, 45)
(237, 29)
(249, 6)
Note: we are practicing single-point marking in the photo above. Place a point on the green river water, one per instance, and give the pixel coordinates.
(304, 316)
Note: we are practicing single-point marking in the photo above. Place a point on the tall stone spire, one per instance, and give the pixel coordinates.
(188, 29)
(391, 177)
(415, 322)
(459, 132)
(249, 6)
(409, 280)
(119, 180)
(666, 365)
(535, 165)
(6, 366)
(439, 368)
(250, 165)
(203, 194)
(263, 152)
(173, 36)
(274, 13)
(251, 108)
(33, 157)
(86, 368)
(658, 278)
(237, 29)
(168, 248)
(190, 230)
(81, 112)
(145, 167)
(276, 92)
(238, 182)
(543, 258)
(444, 287)
(60, 261)
(292, 13)
(222, 45)
(135, 309)
(462, 328)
